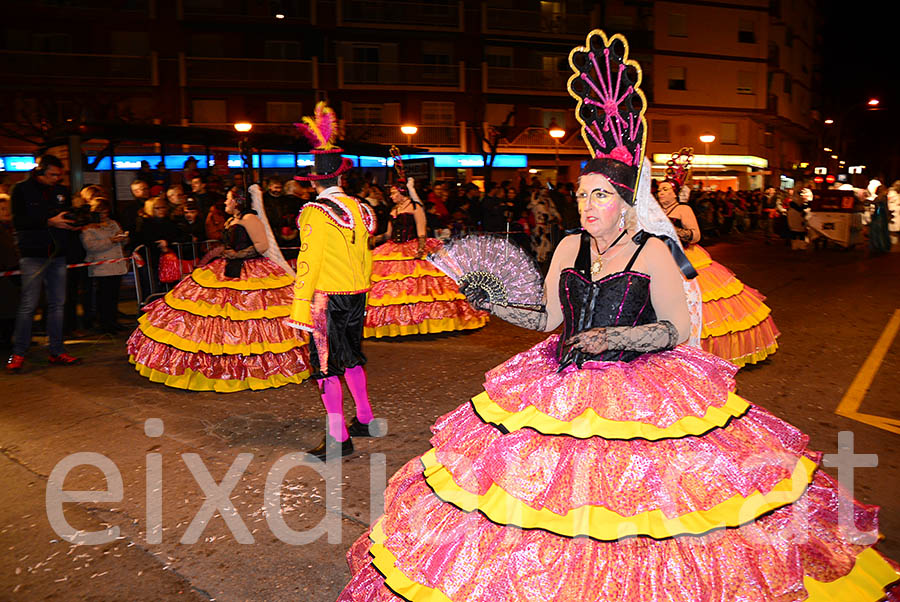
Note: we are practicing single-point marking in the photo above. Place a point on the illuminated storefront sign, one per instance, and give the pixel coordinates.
(718, 160)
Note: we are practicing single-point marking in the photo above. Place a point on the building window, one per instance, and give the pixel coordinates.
(745, 82)
(788, 84)
(436, 53)
(284, 112)
(789, 37)
(438, 113)
(729, 133)
(659, 130)
(209, 111)
(746, 31)
(278, 49)
(677, 78)
(496, 56)
(51, 42)
(365, 64)
(677, 25)
(360, 113)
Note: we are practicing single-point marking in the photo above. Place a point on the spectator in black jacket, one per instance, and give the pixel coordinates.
(39, 207)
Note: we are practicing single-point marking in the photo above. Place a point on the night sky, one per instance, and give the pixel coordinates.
(861, 60)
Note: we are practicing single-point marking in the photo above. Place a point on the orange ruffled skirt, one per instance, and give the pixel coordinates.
(412, 296)
(737, 324)
(213, 333)
(647, 481)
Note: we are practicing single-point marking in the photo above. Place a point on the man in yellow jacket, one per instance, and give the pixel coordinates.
(334, 268)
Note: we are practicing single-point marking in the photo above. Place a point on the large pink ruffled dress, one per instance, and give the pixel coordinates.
(615, 477)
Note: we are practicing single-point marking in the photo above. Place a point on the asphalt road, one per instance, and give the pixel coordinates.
(831, 307)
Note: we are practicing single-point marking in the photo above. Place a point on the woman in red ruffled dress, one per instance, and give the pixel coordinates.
(223, 328)
(409, 294)
(737, 324)
(612, 462)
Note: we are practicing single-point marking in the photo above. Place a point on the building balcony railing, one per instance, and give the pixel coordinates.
(537, 139)
(242, 72)
(533, 23)
(428, 136)
(435, 15)
(81, 69)
(511, 80)
(405, 76)
(303, 11)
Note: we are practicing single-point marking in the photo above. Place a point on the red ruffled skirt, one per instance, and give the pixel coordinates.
(737, 324)
(412, 296)
(646, 481)
(213, 333)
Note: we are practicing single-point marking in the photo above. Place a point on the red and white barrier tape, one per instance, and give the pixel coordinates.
(139, 259)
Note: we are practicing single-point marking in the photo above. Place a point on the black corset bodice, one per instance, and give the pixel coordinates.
(236, 238)
(403, 228)
(620, 299)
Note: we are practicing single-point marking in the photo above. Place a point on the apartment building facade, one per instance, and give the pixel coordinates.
(743, 71)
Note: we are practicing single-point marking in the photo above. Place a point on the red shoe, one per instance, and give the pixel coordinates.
(64, 359)
(14, 364)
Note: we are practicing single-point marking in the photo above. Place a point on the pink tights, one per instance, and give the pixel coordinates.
(333, 399)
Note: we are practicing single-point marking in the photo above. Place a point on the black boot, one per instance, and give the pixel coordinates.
(358, 429)
(333, 447)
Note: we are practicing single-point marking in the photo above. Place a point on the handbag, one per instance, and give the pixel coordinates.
(169, 267)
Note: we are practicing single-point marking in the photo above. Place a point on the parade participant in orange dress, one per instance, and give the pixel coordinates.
(737, 324)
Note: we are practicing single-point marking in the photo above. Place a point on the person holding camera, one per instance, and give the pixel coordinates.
(40, 207)
(103, 241)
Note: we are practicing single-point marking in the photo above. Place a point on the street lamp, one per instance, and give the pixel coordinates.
(874, 102)
(707, 139)
(829, 121)
(409, 130)
(827, 149)
(243, 127)
(556, 133)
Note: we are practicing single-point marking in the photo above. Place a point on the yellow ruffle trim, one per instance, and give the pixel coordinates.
(866, 582)
(429, 326)
(745, 323)
(167, 338)
(410, 299)
(207, 279)
(756, 356)
(698, 257)
(194, 381)
(400, 584)
(590, 424)
(209, 310)
(421, 269)
(603, 524)
(731, 289)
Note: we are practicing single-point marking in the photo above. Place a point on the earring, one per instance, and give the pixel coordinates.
(622, 221)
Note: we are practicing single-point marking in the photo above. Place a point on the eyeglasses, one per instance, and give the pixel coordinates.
(597, 197)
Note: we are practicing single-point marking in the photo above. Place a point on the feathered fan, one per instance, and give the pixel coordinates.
(502, 272)
(322, 129)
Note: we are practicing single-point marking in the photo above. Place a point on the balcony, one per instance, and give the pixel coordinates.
(537, 140)
(297, 11)
(403, 76)
(445, 137)
(534, 23)
(511, 80)
(217, 72)
(80, 69)
(391, 14)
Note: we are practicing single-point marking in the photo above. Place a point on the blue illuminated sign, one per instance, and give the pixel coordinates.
(273, 161)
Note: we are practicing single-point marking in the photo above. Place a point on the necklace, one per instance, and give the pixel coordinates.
(597, 264)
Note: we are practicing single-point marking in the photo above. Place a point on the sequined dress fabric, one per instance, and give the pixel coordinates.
(601, 479)
(223, 328)
(412, 296)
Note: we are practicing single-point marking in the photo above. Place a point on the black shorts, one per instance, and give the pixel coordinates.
(339, 344)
